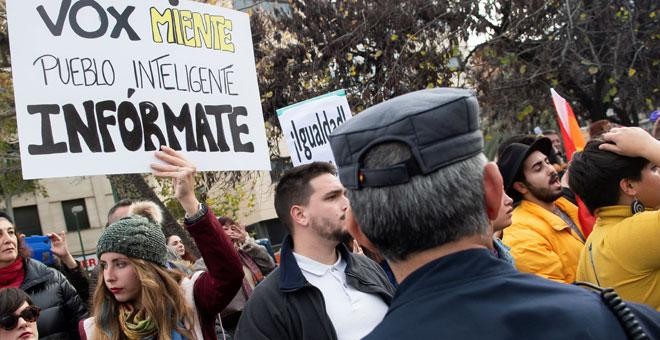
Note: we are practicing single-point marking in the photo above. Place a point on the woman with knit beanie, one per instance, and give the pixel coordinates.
(137, 297)
(47, 287)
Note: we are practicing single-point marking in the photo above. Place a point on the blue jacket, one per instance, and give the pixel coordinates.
(473, 295)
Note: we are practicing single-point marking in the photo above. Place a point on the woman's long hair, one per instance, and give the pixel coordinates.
(160, 296)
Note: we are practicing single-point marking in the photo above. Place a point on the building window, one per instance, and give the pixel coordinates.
(75, 214)
(27, 220)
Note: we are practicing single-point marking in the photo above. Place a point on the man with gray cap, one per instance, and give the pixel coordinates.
(422, 193)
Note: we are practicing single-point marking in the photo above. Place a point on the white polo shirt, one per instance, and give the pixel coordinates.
(353, 313)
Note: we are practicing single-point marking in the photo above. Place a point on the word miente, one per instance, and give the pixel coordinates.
(191, 29)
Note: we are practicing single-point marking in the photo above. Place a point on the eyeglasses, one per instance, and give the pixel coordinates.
(29, 314)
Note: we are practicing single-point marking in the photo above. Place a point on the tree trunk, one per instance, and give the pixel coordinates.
(9, 207)
(134, 187)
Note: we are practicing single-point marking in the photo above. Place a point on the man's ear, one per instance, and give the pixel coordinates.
(354, 229)
(520, 187)
(298, 215)
(628, 187)
(493, 190)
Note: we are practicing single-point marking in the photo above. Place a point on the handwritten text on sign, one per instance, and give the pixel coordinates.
(307, 125)
(100, 84)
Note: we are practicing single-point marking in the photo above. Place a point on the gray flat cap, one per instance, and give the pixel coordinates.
(441, 127)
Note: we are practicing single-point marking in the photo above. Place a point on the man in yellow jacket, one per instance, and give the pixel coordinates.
(545, 236)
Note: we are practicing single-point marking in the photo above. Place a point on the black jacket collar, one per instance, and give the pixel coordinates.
(35, 273)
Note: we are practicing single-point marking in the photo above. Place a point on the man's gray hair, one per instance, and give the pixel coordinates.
(424, 213)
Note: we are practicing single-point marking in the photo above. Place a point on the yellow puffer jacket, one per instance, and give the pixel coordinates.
(542, 243)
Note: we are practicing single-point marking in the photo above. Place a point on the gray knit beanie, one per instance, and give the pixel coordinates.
(136, 237)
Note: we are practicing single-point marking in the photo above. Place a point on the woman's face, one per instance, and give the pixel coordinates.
(8, 243)
(503, 219)
(175, 242)
(24, 330)
(648, 188)
(120, 277)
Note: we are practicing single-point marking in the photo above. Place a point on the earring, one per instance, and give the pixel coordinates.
(636, 206)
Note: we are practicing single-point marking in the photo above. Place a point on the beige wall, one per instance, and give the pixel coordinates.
(95, 190)
(263, 209)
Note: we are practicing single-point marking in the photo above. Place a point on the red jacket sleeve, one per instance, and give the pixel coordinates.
(81, 329)
(215, 288)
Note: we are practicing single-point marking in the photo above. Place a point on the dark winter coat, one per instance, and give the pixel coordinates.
(286, 306)
(473, 295)
(61, 307)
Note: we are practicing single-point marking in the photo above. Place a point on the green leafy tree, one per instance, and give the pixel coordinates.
(236, 203)
(374, 50)
(11, 179)
(226, 193)
(600, 55)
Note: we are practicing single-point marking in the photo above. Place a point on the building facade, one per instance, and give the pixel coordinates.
(71, 204)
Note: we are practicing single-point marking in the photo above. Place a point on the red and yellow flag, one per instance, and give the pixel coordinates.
(570, 130)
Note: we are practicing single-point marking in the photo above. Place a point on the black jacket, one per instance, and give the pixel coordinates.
(286, 306)
(78, 279)
(473, 295)
(61, 307)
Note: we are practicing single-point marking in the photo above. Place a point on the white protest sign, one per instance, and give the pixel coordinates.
(101, 84)
(307, 125)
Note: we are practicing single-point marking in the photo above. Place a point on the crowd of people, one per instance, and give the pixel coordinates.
(531, 246)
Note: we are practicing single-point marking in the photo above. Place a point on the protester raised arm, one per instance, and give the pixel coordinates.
(632, 142)
(214, 289)
(182, 174)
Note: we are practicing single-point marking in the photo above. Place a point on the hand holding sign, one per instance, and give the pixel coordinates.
(182, 174)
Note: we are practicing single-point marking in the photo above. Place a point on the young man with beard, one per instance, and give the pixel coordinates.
(321, 290)
(545, 237)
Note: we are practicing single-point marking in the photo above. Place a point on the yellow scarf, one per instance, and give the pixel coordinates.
(135, 323)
